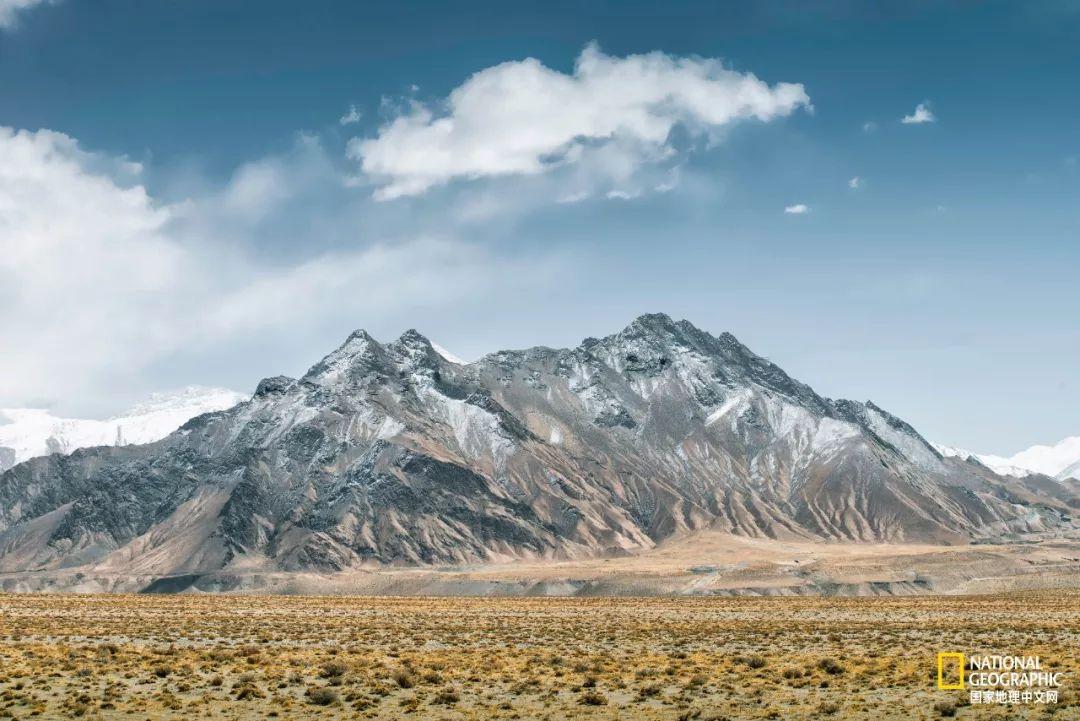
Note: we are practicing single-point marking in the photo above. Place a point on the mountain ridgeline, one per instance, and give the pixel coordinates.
(393, 454)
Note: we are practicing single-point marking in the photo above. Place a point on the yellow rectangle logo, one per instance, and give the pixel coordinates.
(944, 661)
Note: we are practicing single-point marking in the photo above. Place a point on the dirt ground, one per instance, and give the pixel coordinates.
(247, 657)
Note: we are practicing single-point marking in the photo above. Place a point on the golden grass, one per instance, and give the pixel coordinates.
(245, 657)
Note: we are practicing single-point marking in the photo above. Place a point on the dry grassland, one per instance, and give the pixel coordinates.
(251, 657)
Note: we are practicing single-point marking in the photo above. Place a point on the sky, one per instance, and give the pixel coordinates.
(882, 198)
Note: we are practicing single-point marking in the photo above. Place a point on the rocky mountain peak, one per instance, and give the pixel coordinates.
(653, 343)
(274, 386)
(413, 345)
(414, 339)
(656, 324)
(359, 355)
(412, 352)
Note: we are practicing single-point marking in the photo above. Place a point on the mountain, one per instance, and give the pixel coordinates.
(29, 432)
(1061, 460)
(393, 454)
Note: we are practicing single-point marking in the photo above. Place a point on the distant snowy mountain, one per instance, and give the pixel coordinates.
(1060, 461)
(29, 432)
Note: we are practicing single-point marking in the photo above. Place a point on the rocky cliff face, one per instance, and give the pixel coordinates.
(393, 454)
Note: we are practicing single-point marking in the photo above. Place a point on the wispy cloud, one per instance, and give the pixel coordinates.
(797, 209)
(921, 115)
(855, 183)
(352, 117)
(10, 9)
(522, 118)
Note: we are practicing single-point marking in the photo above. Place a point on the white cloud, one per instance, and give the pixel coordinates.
(797, 209)
(9, 9)
(869, 127)
(921, 115)
(84, 262)
(100, 282)
(352, 117)
(855, 183)
(522, 118)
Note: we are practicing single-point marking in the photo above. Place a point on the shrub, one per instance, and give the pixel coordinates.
(322, 696)
(830, 666)
(755, 662)
(404, 679)
(246, 691)
(828, 708)
(448, 695)
(593, 698)
(650, 691)
(334, 669)
(945, 708)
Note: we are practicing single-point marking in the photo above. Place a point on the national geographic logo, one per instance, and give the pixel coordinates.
(950, 671)
(998, 679)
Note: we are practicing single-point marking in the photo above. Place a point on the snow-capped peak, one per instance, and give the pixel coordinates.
(29, 432)
(1061, 460)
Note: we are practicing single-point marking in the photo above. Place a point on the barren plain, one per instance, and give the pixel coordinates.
(247, 657)
(703, 563)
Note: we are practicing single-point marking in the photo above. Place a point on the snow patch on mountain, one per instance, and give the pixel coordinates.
(738, 399)
(29, 432)
(902, 437)
(447, 354)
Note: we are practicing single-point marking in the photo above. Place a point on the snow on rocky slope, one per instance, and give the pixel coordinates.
(29, 432)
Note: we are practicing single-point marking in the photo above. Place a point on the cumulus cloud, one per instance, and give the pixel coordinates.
(9, 10)
(797, 209)
(855, 183)
(921, 115)
(523, 118)
(77, 251)
(100, 280)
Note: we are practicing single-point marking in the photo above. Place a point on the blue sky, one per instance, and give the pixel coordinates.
(234, 227)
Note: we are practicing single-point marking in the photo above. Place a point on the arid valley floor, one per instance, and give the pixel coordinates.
(248, 657)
